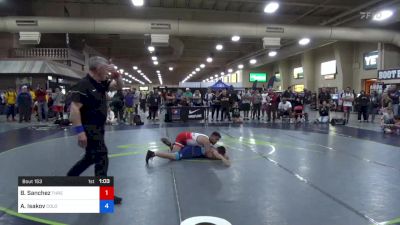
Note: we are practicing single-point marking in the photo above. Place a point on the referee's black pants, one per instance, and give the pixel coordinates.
(96, 153)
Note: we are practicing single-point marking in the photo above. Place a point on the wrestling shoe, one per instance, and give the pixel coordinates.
(149, 155)
(117, 200)
(166, 142)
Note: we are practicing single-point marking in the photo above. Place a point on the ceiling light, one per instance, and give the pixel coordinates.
(115, 67)
(211, 77)
(155, 62)
(158, 71)
(240, 66)
(382, 15)
(138, 3)
(235, 38)
(171, 68)
(197, 69)
(154, 58)
(222, 73)
(151, 48)
(121, 70)
(304, 41)
(271, 7)
(139, 71)
(230, 70)
(209, 59)
(219, 47)
(216, 75)
(130, 76)
(126, 73)
(202, 66)
(272, 53)
(253, 61)
(194, 72)
(135, 67)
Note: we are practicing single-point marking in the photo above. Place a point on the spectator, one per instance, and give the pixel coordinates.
(273, 105)
(236, 113)
(178, 96)
(264, 103)
(386, 101)
(307, 103)
(324, 96)
(136, 100)
(2, 102)
(197, 100)
(363, 102)
(41, 104)
(143, 99)
(225, 105)
(129, 106)
(117, 103)
(323, 113)
(208, 100)
(58, 104)
(246, 101)
(24, 102)
(395, 95)
(374, 105)
(111, 120)
(288, 94)
(285, 108)
(153, 101)
(169, 99)
(348, 99)
(10, 98)
(215, 105)
(298, 109)
(256, 100)
(188, 95)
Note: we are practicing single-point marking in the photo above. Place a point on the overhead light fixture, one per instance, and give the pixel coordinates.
(151, 49)
(121, 70)
(158, 71)
(115, 67)
(139, 71)
(304, 41)
(194, 72)
(202, 66)
(230, 70)
(382, 15)
(209, 59)
(130, 76)
(219, 47)
(240, 66)
(135, 67)
(253, 61)
(155, 62)
(272, 53)
(154, 58)
(197, 69)
(222, 73)
(126, 73)
(171, 68)
(271, 7)
(235, 38)
(138, 3)
(212, 77)
(216, 75)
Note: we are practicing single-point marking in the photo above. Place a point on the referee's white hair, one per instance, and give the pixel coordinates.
(97, 61)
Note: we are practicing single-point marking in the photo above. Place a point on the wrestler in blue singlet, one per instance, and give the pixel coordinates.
(190, 152)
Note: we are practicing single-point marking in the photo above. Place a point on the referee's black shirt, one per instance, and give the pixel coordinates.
(92, 96)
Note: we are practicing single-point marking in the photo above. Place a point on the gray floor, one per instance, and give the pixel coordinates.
(277, 177)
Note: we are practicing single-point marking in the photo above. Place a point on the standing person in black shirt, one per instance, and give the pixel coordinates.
(215, 105)
(154, 101)
(225, 105)
(363, 101)
(89, 113)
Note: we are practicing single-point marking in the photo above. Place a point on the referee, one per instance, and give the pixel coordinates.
(89, 113)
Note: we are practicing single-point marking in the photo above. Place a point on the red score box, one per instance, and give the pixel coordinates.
(107, 193)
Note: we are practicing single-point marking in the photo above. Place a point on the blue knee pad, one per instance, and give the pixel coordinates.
(177, 156)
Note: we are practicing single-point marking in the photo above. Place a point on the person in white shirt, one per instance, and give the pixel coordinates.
(348, 99)
(285, 108)
(264, 103)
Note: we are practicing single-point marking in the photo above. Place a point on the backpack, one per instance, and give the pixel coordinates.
(137, 120)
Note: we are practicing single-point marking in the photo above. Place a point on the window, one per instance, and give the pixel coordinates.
(144, 88)
(298, 73)
(234, 78)
(328, 68)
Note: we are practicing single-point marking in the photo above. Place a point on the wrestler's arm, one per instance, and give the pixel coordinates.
(225, 159)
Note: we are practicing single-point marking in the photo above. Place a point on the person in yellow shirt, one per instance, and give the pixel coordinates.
(11, 99)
